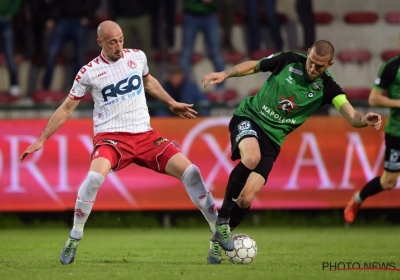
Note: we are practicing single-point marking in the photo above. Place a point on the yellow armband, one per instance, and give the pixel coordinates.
(339, 100)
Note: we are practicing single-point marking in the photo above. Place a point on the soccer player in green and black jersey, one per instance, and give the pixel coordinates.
(388, 81)
(298, 85)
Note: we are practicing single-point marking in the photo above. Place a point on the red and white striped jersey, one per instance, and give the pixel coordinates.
(117, 90)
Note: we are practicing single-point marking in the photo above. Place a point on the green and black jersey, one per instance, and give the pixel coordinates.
(389, 80)
(287, 98)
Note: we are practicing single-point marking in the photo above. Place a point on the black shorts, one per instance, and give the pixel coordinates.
(243, 127)
(392, 153)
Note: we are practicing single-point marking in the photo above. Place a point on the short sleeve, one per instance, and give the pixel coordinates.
(81, 85)
(146, 70)
(386, 76)
(331, 90)
(275, 63)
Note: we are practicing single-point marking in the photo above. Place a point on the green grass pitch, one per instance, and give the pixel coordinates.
(283, 253)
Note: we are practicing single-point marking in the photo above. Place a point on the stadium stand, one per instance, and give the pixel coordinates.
(393, 17)
(359, 94)
(48, 96)
(364, 33)
(356, 55)
(323, 17)
(389, 53)
(360, 17)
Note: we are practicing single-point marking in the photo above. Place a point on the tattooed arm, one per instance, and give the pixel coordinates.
(242, 69)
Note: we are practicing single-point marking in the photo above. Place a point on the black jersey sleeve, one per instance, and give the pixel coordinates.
(387, 74)
(276, 62)
(331, 90)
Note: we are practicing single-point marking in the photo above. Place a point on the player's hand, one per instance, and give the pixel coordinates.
(32, 148)
(183, 110)
(373, 119)
(213, 78)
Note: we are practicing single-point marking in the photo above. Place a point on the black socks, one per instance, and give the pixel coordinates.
(371, 188)
(237, 215)
(237, 180)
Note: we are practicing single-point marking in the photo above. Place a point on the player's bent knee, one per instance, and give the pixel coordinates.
(192, 175)
(264, 167)
(245, 200)
(251, 161)
(91, 185)
(95, 179)
(243, 203)
(389, 180)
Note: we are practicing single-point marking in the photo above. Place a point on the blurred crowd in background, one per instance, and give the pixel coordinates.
(49, 35)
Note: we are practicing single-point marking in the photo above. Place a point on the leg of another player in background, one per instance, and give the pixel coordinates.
(212, 38)
(57, 42)
(305, 13)
(387, 181)
(190, 28)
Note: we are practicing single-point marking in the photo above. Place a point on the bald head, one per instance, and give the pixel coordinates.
(107, 28)
(323, 48)
(110, 39)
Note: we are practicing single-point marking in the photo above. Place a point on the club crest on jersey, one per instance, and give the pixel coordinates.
(287, 105)
(244, 129)
(394, 160)
(132, 64)
(394, 155)
(244, 125)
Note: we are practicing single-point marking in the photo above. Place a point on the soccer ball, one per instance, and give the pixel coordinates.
(245, 249)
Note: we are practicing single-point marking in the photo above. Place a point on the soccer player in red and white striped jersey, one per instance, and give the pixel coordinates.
(117, 80)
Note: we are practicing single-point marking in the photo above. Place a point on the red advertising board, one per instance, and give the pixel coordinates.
(320, 166)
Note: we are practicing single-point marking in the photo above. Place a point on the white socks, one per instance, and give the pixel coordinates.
(200, 195)
(357, 198)
(84, 203)
(191, 179)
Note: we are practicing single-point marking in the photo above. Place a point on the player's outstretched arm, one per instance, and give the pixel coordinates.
(242, 69)
(153, 87)
(358, 119)
(56, 121)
